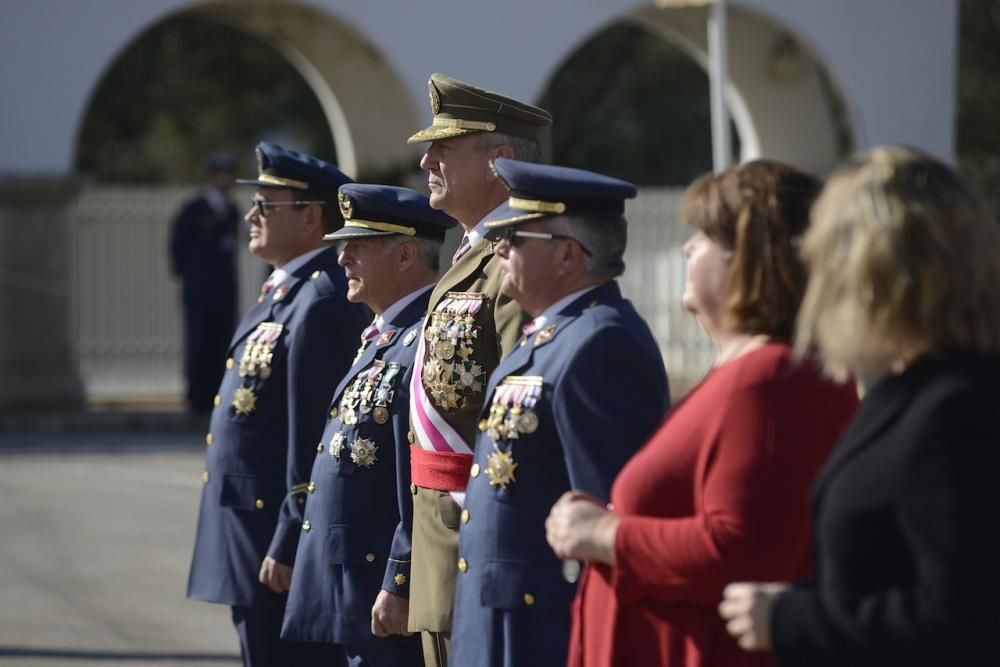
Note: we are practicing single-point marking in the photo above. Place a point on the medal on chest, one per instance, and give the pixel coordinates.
(511, 415)
(258, 353)
(451, 374)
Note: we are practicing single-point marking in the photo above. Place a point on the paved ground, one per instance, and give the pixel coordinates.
(95, 540)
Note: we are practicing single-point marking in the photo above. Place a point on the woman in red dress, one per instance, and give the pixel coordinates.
(720, 492)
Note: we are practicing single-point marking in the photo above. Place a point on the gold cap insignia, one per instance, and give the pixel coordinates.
(435, 99)
(346, 207)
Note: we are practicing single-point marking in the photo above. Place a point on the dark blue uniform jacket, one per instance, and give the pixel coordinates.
(284, 361)
(564, 410)
(356, 539)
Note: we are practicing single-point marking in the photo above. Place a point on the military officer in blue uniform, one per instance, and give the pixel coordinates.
(284, 361)
(203, 256)
(352, 569)
(570, 404)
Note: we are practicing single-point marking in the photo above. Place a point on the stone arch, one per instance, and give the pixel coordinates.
(781, 97)
(349, 76)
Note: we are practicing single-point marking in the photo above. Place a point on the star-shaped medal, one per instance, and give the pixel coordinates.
(244, 400)
(500, 467)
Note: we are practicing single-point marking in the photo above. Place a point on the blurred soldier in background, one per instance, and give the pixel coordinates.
(202, 254)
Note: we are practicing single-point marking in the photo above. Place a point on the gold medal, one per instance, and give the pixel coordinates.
(444, 350)
(380, 415)
(337, 444)
(500, 467)
(348, 416)
(244, 400)
(363, 452)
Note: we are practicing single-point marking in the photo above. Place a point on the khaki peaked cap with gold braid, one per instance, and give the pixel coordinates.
(460, 108)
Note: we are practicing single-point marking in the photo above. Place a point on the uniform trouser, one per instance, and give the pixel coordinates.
(436, 646)
(208, 328)
(259, 629)
(395, 651)
(433, 566)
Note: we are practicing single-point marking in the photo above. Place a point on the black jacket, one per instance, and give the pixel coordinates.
(904, 514)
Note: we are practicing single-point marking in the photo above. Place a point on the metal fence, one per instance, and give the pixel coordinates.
(127, 304)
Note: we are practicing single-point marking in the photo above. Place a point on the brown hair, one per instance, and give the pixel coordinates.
(904, 260)
(758, 212)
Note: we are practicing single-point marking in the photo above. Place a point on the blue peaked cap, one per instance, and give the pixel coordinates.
(280, 167)
(539, 191)
(385, 210)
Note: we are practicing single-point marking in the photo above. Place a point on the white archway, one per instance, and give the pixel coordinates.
(779, 94)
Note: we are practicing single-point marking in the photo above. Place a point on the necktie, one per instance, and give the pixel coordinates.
(371, 331)
(463, 248)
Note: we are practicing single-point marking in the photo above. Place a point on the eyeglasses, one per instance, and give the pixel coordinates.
(508, 234)
(262, 205)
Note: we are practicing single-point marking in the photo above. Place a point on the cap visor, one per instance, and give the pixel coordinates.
(259, 184)
(354, 233)
(506, 216)
(433, 133)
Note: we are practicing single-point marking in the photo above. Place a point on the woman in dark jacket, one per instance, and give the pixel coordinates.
(904, 285)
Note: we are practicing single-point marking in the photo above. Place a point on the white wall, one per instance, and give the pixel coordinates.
(894, 60)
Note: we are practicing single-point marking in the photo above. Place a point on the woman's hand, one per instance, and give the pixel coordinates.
(579, 528)
(746, 608)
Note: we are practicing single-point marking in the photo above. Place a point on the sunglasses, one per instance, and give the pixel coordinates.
(263, 205)
(508, 234)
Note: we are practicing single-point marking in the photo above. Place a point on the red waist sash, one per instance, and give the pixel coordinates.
(442, 471)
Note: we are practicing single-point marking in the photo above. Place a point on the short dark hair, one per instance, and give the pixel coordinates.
(758, 212)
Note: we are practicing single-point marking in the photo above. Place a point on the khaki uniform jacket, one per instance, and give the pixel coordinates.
(435, 514)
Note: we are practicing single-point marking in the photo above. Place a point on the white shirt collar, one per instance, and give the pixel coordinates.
(398, 306)
(478, 233)
(281, 274)
(558, 307)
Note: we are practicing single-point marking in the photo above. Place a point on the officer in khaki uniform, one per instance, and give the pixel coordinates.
(575, 399)
(469, 327)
